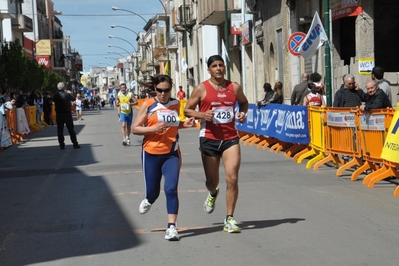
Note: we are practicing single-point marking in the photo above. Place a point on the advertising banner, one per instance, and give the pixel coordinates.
(43, 47)
(345, 8)
(390, 151)
(43, 60)
(236, 24)
(284, 122)
(345, 119)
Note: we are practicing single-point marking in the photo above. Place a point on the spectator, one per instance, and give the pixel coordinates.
(347, 97)
(377, 74)
(268, 95)
(181, 94)
(63, 104)
(277, 93)
(314, 97)
(47, 108)
(38, 102)
(374, 98)
(300, 90)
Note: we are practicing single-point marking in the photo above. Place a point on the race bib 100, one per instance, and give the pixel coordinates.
(170, 117)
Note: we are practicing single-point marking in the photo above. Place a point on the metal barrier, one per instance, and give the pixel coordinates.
(317, 136)
(340, 137)
(371, 132)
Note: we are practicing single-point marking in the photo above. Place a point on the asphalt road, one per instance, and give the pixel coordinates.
(80, 207)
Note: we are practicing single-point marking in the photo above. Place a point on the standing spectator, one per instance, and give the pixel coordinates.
(314, 97)
(125, 102)
(158, 120)
(374, 98)
(38, 102)
(347, 97)
(78, 108)
(47, 108)
(300, 90)
(377, 74)
(63, 102)
(268, 95)
(111, 101)
(181, 94)
(20, 99)
(217, 98)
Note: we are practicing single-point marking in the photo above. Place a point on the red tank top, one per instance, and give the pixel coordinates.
(222, 103)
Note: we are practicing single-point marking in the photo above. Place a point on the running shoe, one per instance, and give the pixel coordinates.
(128, 142)
(209, 204)
(145, 206)
(171, 234)
(124, 143)
(230, 226)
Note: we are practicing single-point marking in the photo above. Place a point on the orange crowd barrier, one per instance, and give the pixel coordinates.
(372, 131)
(12, 125)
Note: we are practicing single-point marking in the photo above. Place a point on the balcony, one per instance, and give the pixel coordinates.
(7, 9)
(22, 23)
(211, 12)
(183, 17)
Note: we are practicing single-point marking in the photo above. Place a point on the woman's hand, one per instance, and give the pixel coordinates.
(190, 122)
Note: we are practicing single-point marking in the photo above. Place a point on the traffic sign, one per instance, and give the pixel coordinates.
(294, 42)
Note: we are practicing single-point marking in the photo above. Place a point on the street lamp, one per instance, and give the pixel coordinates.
(109, 45)
(111, 36)
(118, 26)
(123, 56)
(146, 21)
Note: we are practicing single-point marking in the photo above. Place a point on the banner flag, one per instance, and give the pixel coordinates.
(184, 66)
(315, 38)
(390, 151)
(225, 54)
(166, 69)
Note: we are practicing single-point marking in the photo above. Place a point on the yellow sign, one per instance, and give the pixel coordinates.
(365, 65)
(43, 47)
(390, 151)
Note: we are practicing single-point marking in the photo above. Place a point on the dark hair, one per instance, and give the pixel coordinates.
(122, 84)
(214, 58)
(378, 72)
(314, 89)
(180, 87)
(315, 77)
(267, 87)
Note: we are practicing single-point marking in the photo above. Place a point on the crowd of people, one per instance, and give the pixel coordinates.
(311, 91)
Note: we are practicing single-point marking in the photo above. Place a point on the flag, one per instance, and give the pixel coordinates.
(225, 54)
(315, 38)
(184, 66)
(166, 69)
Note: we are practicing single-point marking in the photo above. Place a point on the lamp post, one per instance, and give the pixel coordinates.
(109, 45)
(167, 31)
(146, 21)
(111, 36)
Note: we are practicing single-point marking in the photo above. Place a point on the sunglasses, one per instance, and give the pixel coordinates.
(163, 90)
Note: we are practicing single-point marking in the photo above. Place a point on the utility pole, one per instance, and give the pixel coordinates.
(226, 29)
(327, 52)
(185, 44)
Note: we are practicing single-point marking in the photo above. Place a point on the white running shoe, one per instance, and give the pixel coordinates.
(230, 226)
(145, 206)
(209, 204)
(128, 142)
(171, 234)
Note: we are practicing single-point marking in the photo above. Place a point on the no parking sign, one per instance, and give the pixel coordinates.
(294, 42)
